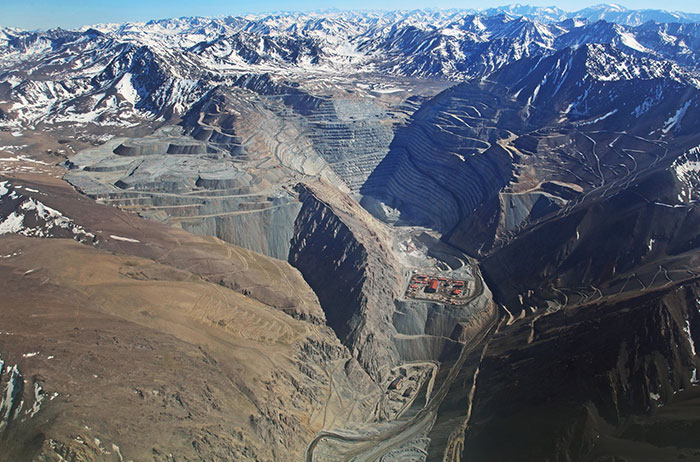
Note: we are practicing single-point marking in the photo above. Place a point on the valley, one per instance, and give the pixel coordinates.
(399, 236)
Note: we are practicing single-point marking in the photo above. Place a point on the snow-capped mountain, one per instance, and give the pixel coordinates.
(622, 15)
(596, 83)
(120, 75)
(602, 12)
(541, 14)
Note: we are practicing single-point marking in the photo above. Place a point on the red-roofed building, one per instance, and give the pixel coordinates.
(432, 286)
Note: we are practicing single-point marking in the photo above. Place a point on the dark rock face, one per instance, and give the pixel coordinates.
(353, 274)
(568, 173)
(344, 254)
(591, 381)
(485, 161)
(622, 238)
(445, 163)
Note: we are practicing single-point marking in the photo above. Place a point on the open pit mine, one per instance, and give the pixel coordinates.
(402, 236)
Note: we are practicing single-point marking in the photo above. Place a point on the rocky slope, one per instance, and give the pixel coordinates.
(166, 354)
(445, 162)
(168, 325)
(130, 78)
(555, 154)
(536, 146)
(622, 384)
(346, 259)
(349, 259)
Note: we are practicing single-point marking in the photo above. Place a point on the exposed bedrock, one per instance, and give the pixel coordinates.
(557, 172)
(278, 132)
(428, 331)
(640, 238)
(340, 139)
(267, 231)
(264, 85)
(591, 383)
(352, 136)
(445, 163)
(205, 189)
(226, 170)
(344, 256)
(480, 163)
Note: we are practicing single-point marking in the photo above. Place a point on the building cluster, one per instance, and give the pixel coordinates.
(437, 288)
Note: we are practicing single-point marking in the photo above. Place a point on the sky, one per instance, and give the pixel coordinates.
(45, 14)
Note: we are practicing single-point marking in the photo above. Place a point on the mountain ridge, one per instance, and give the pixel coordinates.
(134, 73)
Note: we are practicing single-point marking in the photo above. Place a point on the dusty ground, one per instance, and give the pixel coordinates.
(269, 280)
(156, 344)
(152, 359)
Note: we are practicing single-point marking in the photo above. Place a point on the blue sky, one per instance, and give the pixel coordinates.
(33, 14)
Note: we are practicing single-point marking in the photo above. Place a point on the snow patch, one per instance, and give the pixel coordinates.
(686, 329)
(649, 102)
(39, 396)
(22, 158)
(12, 224)
(687, 170)
(118, 452)
(631, 42)
(674, 122)
(52, 219)
(13, 390)
(603, 117)
(127, 90)
(388, 90)
(124, 239)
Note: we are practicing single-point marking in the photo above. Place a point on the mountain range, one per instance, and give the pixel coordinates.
(120, 74)
(352, 235)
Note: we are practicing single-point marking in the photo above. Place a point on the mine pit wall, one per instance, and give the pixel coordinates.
(425, 178)
(138, 149)
(359, 286)
(354, 277)
(428, 330)
(593, 245)
(268, 231)
(352, 136)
